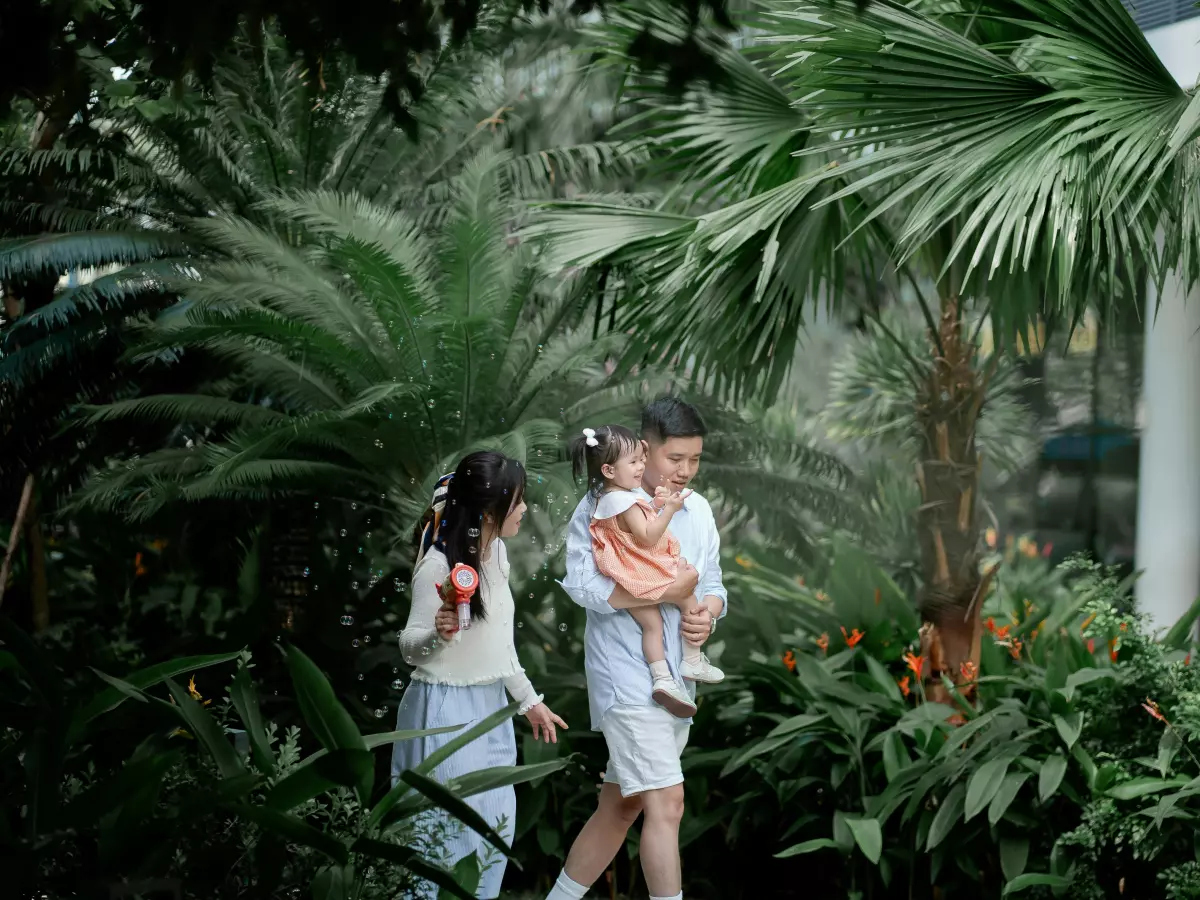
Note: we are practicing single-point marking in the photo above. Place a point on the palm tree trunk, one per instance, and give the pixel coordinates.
(948, 525)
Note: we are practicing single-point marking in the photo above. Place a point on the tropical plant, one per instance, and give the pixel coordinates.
(824, 150)
(1035, 783)
(75, 816)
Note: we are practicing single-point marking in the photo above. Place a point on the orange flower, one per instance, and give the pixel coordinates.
(800, 580)
(789, 660)
(1091, 645)
(989, 538)
(1047, 549)
(968, 670)
(1086, 622)
(1124, 626)
(915, 663)
(823, 643)
(196, 695)
(822, 596)
(904, 688)
(853, 637)
(1112, 649)
(990, 624)
(1015, 649)
(1002, 633)
(138, 569)
(1187, 660)
(159, 544)
(1151, 707)
(744, 561)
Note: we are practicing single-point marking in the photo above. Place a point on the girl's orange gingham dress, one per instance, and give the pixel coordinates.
(644, 572)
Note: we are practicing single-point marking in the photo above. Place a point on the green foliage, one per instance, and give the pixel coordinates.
(1060, 775)
(74, 818)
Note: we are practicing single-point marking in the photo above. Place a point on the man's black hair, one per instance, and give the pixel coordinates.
(670, 417)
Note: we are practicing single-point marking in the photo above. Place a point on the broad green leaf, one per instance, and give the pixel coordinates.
(1082, 677)
(466, 873)
(869, 837)
(1141, 787)
(206, 730)
(808, 847)
(334, 883)
(245, 701)
(102, 797)
(1005, 796)
(1051, 776)
(374, 741)
(504, 776)
(325, 714)
(947, 816)
(794, 725)
(292, 829)
(447, 800)
(1168, 747)
(1014, 853)
(112, 697)
(895, 756)
(1021, 882)
(413, 861)
(983, 785)
(1182, 632)
(340, 768)
(1069, 727)
(887, 684)
(431, 762)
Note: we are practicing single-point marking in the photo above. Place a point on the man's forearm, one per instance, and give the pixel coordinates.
(714, 604)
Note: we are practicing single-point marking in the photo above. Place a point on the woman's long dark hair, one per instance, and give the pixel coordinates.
(486, 484)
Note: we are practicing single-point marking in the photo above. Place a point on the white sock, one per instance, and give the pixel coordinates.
(660, 669)
(692, 653)
(566, 889)
(678, 896)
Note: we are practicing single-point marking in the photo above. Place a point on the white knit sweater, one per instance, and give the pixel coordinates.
(482, 654)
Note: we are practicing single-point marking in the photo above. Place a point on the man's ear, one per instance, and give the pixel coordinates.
(645, 446)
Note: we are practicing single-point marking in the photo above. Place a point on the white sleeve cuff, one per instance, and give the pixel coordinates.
(530, 704)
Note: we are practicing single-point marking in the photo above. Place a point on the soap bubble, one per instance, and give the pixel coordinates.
(397, 684)
(347, 620)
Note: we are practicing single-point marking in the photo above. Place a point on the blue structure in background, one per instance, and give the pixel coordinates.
(1156, 13)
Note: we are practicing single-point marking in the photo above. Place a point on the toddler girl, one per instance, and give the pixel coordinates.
(633, 547)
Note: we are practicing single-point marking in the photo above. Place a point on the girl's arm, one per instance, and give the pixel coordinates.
(420, 640)
(518, 685)
(646, 531)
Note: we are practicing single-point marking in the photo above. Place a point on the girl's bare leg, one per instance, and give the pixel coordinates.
(649, 619)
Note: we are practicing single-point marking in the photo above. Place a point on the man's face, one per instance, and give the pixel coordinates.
(672, 463)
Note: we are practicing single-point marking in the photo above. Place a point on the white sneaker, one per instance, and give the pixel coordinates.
(670, 695)
(703, 671)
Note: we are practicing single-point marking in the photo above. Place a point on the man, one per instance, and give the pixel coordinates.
(644, 740)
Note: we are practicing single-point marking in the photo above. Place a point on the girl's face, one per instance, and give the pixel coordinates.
(626, 472)
(512, 522)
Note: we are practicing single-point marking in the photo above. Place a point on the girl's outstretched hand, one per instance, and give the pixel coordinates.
(543, 722)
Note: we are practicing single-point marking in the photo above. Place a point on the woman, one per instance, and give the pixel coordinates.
(461, 678)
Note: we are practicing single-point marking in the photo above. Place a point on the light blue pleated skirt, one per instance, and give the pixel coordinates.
(440, 705)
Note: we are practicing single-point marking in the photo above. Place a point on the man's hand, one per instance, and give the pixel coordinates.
(682, 592)
(696, 625)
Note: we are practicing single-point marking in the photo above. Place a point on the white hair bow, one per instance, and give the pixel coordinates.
(589, 435)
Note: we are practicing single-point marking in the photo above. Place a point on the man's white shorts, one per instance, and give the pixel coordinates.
(644, 746)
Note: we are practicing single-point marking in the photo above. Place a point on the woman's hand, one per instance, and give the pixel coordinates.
(446, 619)
(543, 722)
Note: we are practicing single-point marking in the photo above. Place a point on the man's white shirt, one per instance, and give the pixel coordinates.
(616, 669)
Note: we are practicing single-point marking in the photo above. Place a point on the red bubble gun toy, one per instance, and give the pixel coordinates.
(465, 580)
